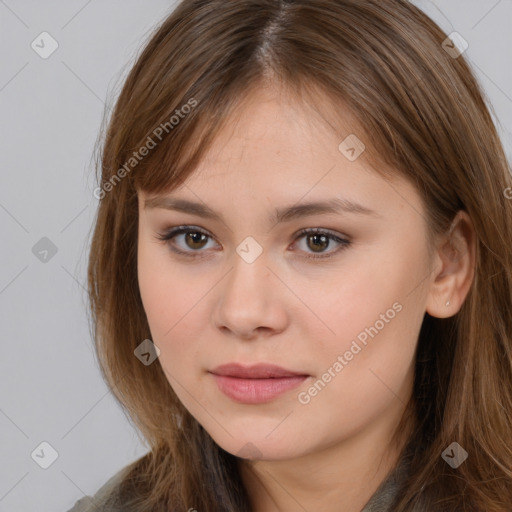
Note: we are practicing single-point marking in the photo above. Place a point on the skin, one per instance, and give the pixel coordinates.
(332, 453)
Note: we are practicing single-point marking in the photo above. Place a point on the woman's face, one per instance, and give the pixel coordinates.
(344, 315)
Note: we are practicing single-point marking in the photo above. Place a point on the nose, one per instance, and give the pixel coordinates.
(250, 301)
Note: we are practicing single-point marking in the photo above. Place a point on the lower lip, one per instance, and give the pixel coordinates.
(256, 391)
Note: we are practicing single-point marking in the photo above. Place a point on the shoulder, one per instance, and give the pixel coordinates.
(385, 495)
(383, 498)
(106, 498)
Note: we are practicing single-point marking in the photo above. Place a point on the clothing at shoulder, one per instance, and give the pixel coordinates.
(383, 498)
(104, 500)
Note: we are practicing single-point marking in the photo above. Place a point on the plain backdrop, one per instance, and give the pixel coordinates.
(51, 110)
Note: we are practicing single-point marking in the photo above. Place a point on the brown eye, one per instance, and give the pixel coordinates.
(195, 239)
(317, 241)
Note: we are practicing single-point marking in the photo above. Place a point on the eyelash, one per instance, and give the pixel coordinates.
(171, 233)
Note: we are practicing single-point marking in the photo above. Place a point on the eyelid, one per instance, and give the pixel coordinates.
(168, 234)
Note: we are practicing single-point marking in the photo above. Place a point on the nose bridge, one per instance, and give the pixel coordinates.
(247, 296)
(250, 273)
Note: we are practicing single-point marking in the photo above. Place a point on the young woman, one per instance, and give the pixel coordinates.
(301, 269)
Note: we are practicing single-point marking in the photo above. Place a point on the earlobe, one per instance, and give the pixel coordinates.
(451, 281)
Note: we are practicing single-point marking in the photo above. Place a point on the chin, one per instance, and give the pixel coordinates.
(259, 447)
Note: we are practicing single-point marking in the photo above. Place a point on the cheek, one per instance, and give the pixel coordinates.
(162, 285)
(172, 301)
(373, 321)
(163, 295)
(362, 378)
(154, 287)
(354, 297)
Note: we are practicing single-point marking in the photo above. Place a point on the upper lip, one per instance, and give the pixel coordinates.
(256, 371)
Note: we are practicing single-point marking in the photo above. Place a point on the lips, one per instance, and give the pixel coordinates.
(257, 371)
(255, 384)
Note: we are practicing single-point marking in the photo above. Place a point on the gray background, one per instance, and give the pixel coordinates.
(51, 111)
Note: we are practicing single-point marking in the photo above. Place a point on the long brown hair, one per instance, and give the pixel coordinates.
(421, 112)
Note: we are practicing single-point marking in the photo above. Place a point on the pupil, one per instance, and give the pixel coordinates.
(322, 238)
(193, 237)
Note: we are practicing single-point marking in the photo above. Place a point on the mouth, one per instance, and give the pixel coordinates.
(255, 384)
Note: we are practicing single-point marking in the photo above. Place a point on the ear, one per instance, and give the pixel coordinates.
(455, 268)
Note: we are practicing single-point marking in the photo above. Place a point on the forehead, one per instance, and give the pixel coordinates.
(277, 150)
(272, 121)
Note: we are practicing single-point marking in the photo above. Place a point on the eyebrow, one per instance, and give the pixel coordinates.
(286, 214)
